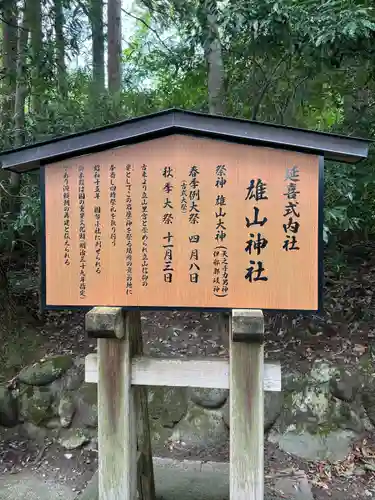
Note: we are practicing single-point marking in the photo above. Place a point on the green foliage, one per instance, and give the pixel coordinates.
(305, 63)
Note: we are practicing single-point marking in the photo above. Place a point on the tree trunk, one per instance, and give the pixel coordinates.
(35, 25)
(21, 87)
(214, 59)
(60, 47)
(114, 46)
(216, 94)
(97, 30)
(9, 57)
(19, 106)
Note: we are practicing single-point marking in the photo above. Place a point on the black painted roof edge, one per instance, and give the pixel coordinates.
(331, 146)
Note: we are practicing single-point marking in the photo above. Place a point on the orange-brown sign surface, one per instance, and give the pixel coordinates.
(182, 221)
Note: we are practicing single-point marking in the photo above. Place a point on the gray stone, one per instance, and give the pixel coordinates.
(35, 404)
(167, 404)
(190, 480)
(33, 432)
(368, 400)
(334, 446)
(209, 398)
(272, 409)
(345, 386)
(53, 423)
(46, 371)
(86, 404)
(160, 435)
(308, 404)
(8, 408)
(66, 410)
(201, 427)
(71, 380)
(73, 439)
(294, 487)
(27, 485)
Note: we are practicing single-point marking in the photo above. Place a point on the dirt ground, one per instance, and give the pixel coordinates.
(343, 333)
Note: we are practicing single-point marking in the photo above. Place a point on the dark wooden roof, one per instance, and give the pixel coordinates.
(172, 121)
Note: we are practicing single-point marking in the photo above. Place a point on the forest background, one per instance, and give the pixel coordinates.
(72, 65)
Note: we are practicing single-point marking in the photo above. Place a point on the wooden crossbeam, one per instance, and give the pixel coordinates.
(210, 373)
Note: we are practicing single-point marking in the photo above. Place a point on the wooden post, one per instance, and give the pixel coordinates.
(145, 472)
(118, 414)
(246, 405)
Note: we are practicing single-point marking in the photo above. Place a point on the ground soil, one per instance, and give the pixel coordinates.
(343, 333)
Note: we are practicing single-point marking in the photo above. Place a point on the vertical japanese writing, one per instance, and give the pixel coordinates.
(113, 203)
(291, 213)
(220, 279)
(97, 215)
(82, 232)
(194, 218)
(194, 195)
(67, 208)
(257, 191)
(220, 204)
(167, 219)
(129, 232)
(144, 223)
(220, 275)
(184, 202)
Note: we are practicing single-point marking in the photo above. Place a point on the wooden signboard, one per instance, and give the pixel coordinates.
(184, 222)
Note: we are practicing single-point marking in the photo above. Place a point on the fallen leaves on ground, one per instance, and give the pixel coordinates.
(360, 461)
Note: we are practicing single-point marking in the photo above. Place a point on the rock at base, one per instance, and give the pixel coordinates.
(33, 432)
(168, 405)
(209, 398)
(295, 487)
(46, 371)
(71, 380)
(272, 408)
(345, 386)
(86, 404)
(66, 410)
(334, 446)
(8, 408)
(368, 400)
(201, 427)
(35, 404)
(73, 439)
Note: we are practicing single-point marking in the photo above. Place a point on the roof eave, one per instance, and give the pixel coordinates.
(332, 147)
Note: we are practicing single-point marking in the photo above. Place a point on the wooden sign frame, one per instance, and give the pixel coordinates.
(163, 124)
(320, 269)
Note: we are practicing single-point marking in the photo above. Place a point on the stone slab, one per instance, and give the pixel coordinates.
(191, 480)
(29, 486)
(187, 480)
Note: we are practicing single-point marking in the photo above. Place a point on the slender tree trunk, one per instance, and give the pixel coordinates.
(35, 25)
(60, 47)
(9, 58)
(19, 104)
(97, 30)
(114, 46)
(216, 93)
(214, 59)
(21, 87)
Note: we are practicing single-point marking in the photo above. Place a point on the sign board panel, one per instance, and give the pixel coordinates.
(183, 222)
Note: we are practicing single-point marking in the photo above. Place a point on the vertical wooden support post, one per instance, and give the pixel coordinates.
(146, 485)
(119, 340)
(246, 405)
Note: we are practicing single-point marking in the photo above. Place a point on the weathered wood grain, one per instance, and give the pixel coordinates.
(246, 412)
(209, 373)
(105, 322)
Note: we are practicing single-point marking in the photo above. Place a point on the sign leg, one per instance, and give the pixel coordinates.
(145, 469)
(246, 405)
